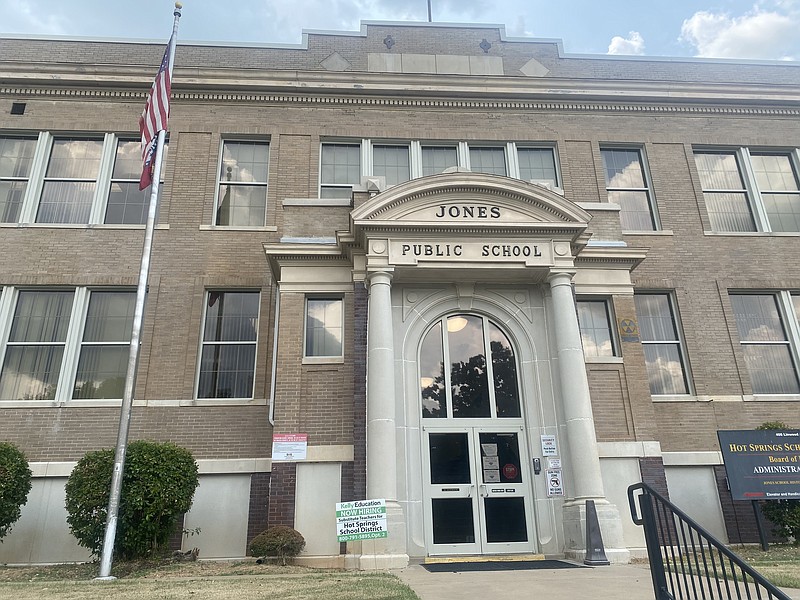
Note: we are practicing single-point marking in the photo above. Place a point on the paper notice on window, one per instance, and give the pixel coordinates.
(489, 449)
(491, 462)
(491, 476)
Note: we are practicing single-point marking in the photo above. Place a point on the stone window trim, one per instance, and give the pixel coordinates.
(786, 337)
(754, 188)
(226, 178)
(104, 180)
(311, 354)
(642, 188)
(674, 338)
(550, 177)
(73, 342)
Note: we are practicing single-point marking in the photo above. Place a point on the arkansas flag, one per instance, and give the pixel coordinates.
(154, 118)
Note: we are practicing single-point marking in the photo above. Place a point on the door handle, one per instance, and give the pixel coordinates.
(483, 491)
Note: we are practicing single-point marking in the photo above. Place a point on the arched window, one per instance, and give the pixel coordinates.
(472, 387)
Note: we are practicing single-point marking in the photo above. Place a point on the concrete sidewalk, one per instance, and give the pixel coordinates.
(628, 582)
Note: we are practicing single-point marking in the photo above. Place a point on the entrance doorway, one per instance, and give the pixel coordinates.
(477, 486)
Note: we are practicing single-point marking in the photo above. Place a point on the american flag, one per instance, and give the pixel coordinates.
(154, 118)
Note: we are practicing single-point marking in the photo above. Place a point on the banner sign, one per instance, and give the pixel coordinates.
(361, 520)
(762, 464)
(289, 446)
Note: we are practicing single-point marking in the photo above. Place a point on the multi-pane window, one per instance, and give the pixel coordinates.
(69, 182)
(72, 180)
(127, 204)
(766, 344)
(65, 344)
(595, 326)
(324, 327)
(340, 170)
(537, 164)
(16, 159)
(242, 196)
(661, 342)
(435, 159)
(627, 185)
(230, 335)
(746, 190)
(490, 160)
(391, 162)
(103, 361)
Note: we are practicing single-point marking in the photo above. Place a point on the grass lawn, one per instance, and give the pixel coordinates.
(780, 564)
(218, 580)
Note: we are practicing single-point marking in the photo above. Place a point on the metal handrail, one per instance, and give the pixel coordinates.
(686, 561)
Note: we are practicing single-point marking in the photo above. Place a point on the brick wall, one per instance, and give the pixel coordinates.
(282, 490)
(258, 513)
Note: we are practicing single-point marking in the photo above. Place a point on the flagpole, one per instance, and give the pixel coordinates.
(429, 11)
(133, 356)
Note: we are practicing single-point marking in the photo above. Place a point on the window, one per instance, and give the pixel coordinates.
(663, 350)
(435, 159)
(340, 170)
(72, 180)
(230, 334)
(766, 345)
(391, 162)
(487, 160)
(595, 325)
(127, 205)
(537, 164)
(242, 196)
(746, 190)
(341, 167)
(627, 185)
(65, 344)
(324, 327)
(16, 158)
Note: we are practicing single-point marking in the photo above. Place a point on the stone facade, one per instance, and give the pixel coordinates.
(430, 86)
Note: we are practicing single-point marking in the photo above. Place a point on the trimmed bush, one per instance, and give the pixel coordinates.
(15, 483)
(157, 488)
(281, 541)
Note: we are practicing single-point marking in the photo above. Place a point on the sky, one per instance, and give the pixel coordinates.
(750, 29)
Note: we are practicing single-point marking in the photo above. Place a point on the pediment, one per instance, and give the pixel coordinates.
(469, 200)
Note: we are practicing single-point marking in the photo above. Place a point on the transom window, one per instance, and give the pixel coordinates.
(472, 386)
(662, 345)
(627, 185)
(242, 194)
(747, 190)
(766, 344)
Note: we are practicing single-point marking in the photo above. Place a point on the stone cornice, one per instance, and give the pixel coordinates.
(403, 90)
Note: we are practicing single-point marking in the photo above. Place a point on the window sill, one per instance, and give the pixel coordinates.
(331, 202)
(771, 398)
(323, 360)
(233, 228)
(610, 206)
(199, 402)
(676, 398)
(656, 232)
(595, 360)
(78, 226)
(753, 233)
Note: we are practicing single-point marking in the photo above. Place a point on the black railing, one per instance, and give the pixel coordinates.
(687, 562)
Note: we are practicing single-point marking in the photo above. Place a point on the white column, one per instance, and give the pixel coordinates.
(581, 438)
(381, 444)
(388, 553)
(584, 457)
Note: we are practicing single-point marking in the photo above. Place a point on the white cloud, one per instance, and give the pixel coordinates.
(633, 44)
(25, 15)
(760, 33)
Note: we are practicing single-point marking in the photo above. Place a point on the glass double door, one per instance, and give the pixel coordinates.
(477, 497)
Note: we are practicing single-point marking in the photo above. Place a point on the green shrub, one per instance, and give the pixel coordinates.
(784, 514)
(15, 483)
(281, 541)
(157, 487)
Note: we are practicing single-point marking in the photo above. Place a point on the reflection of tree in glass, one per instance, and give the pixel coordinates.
(470, 387)
(434, 398)
(504, 369)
